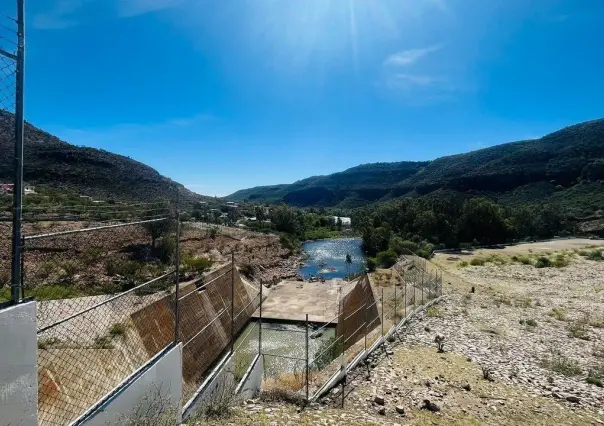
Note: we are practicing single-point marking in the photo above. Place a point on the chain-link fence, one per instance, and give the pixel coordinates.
(104, 281)
(214, 310)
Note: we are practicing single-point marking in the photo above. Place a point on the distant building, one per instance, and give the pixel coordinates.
(29, 190)
(345, 220)
(232, 204)
(6, 188)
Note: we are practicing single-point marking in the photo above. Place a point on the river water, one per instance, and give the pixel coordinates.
(327, 258)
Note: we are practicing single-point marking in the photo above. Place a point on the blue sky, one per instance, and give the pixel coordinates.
(222, 95)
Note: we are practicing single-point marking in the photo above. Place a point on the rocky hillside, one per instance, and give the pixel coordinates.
(566, 164)
(54, 163)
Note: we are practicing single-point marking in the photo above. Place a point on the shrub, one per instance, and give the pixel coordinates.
(525, 260)
(371, 264)
(117, 330)
(433, 312)
(386, 258)
(198, 265)
(530, 322)
(69, 269)
(558, 313)
(328, 350)
(560, 364)
(463, 264)
(561, 261)
(578, 330)
(126, 268)
(543, 262)
(166, 247)
(523, 302)
(477, 261)
(595, 255)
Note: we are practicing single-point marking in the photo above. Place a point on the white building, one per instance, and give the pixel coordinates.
(345, 220)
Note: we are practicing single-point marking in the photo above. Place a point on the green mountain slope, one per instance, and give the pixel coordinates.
(53, 163)
(533, 170)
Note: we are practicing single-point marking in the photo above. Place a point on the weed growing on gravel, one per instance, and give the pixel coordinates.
(578, 330)
(503, 300)
(598, 351)
(529, 322)
(558, 313)
(558, 363)
(463, 264)
(543, 262)
(434, 312)
(595, 375)
(523, 302)
(477, 261)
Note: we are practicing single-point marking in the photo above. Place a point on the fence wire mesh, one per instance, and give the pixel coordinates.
(84, 355)
(214, 310)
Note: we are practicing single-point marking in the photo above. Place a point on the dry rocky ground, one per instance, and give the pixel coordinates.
(537, 333)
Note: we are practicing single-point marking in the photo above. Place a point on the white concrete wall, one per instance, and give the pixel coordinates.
(159, 387)
(219, 383)
(251, 383)
(18, 370)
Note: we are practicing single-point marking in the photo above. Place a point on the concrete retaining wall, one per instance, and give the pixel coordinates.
(155, 390)
(18, 370)
(219, 384)
(251, 383)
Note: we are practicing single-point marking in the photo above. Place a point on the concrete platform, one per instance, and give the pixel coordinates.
(292, 300)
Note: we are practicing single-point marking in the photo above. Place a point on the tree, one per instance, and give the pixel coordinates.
(157, 229)
(348, 262)
(339, 224)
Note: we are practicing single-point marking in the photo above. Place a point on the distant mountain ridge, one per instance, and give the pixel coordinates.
(539, 168)
(52, 162)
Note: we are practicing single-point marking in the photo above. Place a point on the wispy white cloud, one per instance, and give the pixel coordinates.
(410, 57)
(130, 8)
(69, 13)
(419, 83)
(61, 15)
(408, 80)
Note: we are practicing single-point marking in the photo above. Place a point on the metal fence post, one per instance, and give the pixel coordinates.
(395, 312)
(382, 312)
(365, 304)
(177, 261)
(232, 300)
(422, 288)
(18, 159)
(307, 369)
(260, 322)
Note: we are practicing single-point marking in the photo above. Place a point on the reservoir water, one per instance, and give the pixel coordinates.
(327, 258)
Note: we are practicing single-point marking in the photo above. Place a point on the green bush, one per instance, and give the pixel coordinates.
(477, 261)
(560, 364)
(543, 262)
(387, 258)
(463, 264)
(401, 246)
(595, 255)
(329, 349)
(525, 260)
(117, 330)
(126, 268)
(165, 250)
(558, 313)
(371, 264)
(197, 265)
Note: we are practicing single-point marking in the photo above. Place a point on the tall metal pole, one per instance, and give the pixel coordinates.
(365, 309)
(260, 322)
(18, 160)
(395, 312)
(232, 301)
(382, 312)
(177, 260)
(307, 369)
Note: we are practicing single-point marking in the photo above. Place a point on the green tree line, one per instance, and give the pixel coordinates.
(421, 225)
